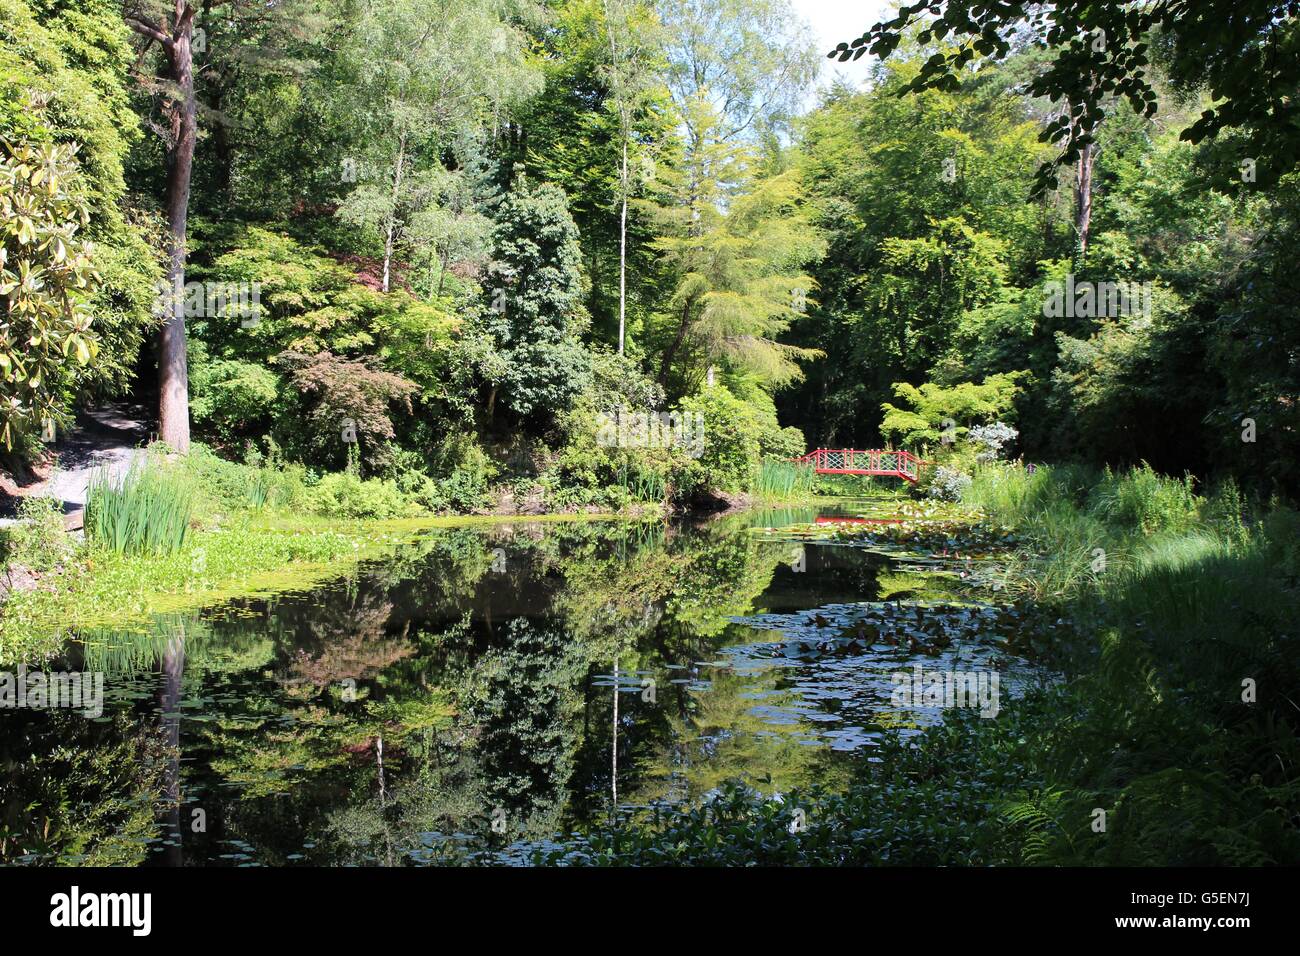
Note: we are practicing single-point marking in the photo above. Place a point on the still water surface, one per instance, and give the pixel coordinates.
(534, 676)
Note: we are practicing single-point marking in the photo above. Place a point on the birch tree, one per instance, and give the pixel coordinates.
(632, 74)
(423, 73)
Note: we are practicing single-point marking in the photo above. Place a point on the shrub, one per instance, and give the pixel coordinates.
(46, 280)
(232, 397)
(731, 443)
(600, 470)
(1225, 510)
(537, 266)
(350, 405)
(344, 495)
(610, 498)
(782, 442)
(460, 493)
(991, 439)
(460, 453)
(463, 491)
(466, 474)
(1281, 535)
(947, 484)
(37, 541)
(937, 412)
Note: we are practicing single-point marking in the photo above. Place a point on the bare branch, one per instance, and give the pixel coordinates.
(145, 28)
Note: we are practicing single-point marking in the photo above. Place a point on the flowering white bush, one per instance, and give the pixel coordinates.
(948, 484)
(993, 438)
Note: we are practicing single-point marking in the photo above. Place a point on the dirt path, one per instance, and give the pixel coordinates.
(109, 436)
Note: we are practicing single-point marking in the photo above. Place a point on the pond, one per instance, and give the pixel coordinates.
(518, 678)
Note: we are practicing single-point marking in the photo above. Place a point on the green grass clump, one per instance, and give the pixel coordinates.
(1141, 500)
(783, 480)
(1184, 604)
(145, 511)
(642, 484)
(223, 488)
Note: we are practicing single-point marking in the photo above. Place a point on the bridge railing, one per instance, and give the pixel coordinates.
(855, 461)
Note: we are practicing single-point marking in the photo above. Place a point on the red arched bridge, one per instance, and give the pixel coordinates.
(851, 461)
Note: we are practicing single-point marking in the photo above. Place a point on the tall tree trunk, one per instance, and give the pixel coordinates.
(671, 352)
(1083, 185)
(391, 232)
(624, 122)
(173, 367)
(173, 364)
(622, 256)
(1083, 201)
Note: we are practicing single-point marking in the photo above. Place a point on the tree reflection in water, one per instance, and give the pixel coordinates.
(443, 695)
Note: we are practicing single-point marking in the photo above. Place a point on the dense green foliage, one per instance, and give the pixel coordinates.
(46, 280)
(940, 272)
(74, 319)
(37, 541)
(1100, 53)
(477, 256)
(535, 287)
(439, 277)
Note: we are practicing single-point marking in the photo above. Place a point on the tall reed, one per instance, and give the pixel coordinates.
(1183, 607)
(642, 485)
(783, 480)
(145, 511)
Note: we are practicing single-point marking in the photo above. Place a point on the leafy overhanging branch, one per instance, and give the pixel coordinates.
(1247, 54)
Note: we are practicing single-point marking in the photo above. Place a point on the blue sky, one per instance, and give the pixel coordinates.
(833, 21)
